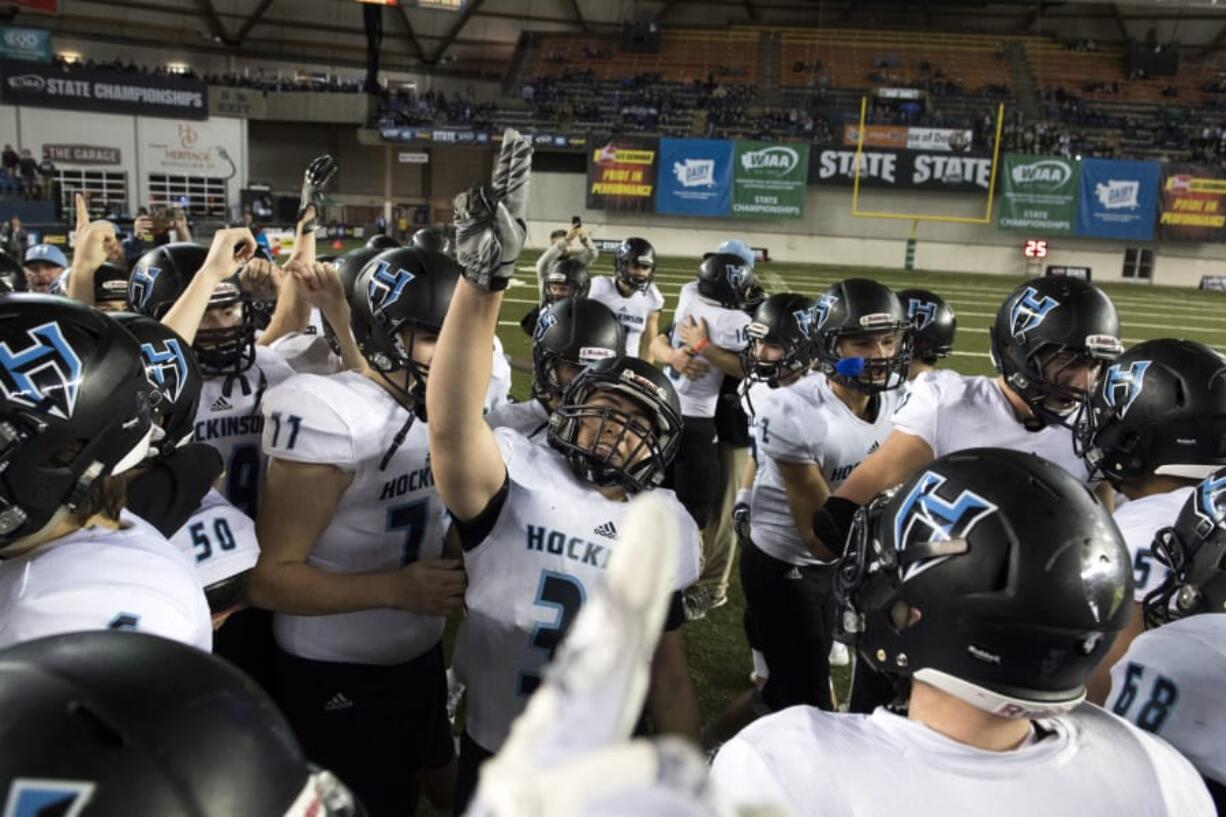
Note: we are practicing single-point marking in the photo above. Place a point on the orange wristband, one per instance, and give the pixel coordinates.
(700, 345)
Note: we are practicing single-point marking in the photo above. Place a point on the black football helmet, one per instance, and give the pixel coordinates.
(785, 320)
(1159, 408)
(111, 288)
(12, 276)
(161, 276)
(74, 408)
(171, 369)
(727, 280)
(857, 307)
(640, 253)
(1194, 549)
(638, 380)
(405, 289)
(1019, 575)
(933, 324)
(349, 267)
(380, 242)
(1053, 321)
(434, 240)
(579, 332)
(125, 724)
(570, 273)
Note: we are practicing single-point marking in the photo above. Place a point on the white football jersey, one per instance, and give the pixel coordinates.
(1087, 762)
(500, 379)
(229, 420)
(527, 580)
(952, 412)
(1169, 683)
(807, 423)
(1139, 519)
(632, 312)
(726, 328)
(753, 402)
(307, 353)
(101, 579)
(219, 539)
(387, 517)
(529, 418)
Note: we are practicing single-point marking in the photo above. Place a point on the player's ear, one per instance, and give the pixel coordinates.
(904, 615)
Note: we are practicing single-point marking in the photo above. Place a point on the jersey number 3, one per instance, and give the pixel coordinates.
(564, 595)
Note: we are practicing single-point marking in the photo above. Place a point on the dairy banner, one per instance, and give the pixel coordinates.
(695, 177)
(1118, 199)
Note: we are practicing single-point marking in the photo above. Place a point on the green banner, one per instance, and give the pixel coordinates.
(768, 180)
(1039, 194)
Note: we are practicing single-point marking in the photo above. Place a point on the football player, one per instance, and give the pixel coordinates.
(569, 336)
(128, 725)
(192, 290)
(809, 437)
(992, 582)
(74, 416)
(1154, 427)
(354, 573)
(933, 327)
(537, 522)
(568, 277)
(1050, 341)
(632, 294)
(1168, 681)
(710, 323)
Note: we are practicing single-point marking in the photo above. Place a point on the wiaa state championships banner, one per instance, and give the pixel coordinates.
(47, 86)
(902, 169)
(768, 180)
(621, 174)
(1191, 204)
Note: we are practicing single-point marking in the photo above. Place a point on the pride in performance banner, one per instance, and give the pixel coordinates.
(1192, 204)
(768, 180)
(695, 177)
(621, 174)
(1118, 199)
(1039, 194)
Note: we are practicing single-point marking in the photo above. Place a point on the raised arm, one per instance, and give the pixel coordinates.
(90, 245)
(231, 248)
(465, 459)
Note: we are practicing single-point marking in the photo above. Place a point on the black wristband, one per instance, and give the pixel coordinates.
(832, 523)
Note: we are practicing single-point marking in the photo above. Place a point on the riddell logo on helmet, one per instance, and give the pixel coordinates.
(642, 383)
(877, 320)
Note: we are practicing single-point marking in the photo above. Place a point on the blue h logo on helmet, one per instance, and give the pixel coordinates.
(1122, 386)
(736, 275)
(1211, 500)
(45, 376)
(29, 797)
(140, 287)
(1030, 310)
(387, 285)
(921, 313)
(924, 516)
(166, 370)
(804, 319)
(545, 320)
(821, 309)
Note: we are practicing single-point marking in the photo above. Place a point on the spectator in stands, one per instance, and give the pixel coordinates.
(14, 238)
(9, 159)
(44, 263)
(573, 243)
(29, 171)
(46, 174)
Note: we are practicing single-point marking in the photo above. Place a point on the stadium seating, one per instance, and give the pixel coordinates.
(730, 55)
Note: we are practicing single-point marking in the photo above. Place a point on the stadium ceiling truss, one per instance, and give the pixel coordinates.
(479, 39)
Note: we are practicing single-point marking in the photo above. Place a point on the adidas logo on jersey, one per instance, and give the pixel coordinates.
(221, 404)
(338, 702)
(607, 530)
(793, 574)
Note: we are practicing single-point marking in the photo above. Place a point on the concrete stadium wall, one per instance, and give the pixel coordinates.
(146, 144)
(829, 234)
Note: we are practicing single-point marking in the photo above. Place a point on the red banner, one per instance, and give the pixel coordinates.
(43, 6)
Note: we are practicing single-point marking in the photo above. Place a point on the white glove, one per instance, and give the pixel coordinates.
(489, 224)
